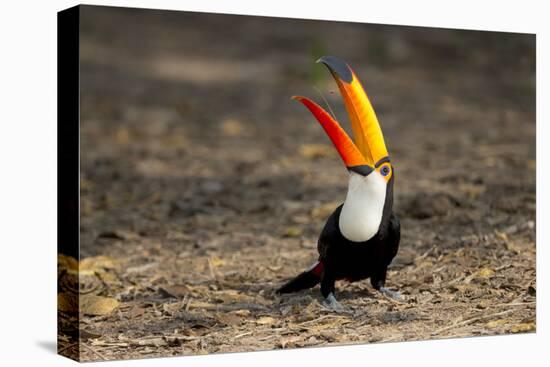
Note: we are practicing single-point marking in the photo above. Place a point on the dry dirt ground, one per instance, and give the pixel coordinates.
(204, 187)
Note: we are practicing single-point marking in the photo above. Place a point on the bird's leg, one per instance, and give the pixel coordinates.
(391, 294)
(378, 284)
(331, 303)
(327, 290)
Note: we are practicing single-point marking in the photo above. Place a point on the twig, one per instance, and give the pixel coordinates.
(241, 335)
(110, 344)
(185, 302)
(67, 348)
(94, 352)
(456, 280)
(425, 254)
(232, 307)
(472, 320)
(505, 266)
(265, 338)
(392, 338)
(320, 318)
(213, 272)
(515, 304)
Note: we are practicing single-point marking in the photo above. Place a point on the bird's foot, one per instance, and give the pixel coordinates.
(332, 304)
(392, 294)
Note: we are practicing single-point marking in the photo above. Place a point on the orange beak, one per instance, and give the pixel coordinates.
(369, 150)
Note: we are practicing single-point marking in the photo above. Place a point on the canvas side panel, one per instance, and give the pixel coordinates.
(68, 181)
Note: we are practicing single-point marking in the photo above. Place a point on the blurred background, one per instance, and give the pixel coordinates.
(199, 171)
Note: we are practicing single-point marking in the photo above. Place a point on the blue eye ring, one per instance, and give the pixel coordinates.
(385, 170)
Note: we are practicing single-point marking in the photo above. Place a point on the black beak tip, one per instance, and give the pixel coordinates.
(363, 170)
(338, 67)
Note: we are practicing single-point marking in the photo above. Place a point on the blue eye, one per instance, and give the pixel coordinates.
(385, 171)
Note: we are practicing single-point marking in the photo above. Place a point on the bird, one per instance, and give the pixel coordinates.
(361, 237)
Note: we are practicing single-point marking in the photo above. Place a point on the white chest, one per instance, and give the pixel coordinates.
(362, 211)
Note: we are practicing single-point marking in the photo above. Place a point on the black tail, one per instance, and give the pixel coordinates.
(305, 280)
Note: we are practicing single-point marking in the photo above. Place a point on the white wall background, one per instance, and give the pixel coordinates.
(28, 181)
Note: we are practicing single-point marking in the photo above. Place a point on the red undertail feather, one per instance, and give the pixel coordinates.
(305, 280)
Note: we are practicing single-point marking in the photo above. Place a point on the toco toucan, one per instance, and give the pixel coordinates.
(361, 236)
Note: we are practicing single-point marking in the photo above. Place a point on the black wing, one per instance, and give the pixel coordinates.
(330, 234)
(394, 236)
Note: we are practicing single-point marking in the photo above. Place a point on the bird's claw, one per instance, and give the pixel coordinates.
(332, 304)
(392, 294)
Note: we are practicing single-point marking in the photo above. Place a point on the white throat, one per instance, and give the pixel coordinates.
(362, 211)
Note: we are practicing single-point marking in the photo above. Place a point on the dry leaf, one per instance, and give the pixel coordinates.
(232, 127)
(120, 234)
(509, 244)
(502, 235)
(266, 320)
(230, 319)
(176, 141)
(97, 305)
(91, 265)
(136, 312)
(523, 327)
(473, 191)
(485, 273)
(171, 308)
(292, 231)
(67, 263)
(96, 262)
(123, 136)
(289, 341)
(67, 302)
(512, 247)
(216, 261)
(463, 288)
(176, 291)
(243, 313)
(495, 323)
(483, 304)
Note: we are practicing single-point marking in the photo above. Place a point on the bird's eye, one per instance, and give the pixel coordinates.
(385, 171)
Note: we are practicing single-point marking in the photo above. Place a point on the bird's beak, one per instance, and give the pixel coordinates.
(369, 149)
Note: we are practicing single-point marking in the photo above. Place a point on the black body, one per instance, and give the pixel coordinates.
(343, 259)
